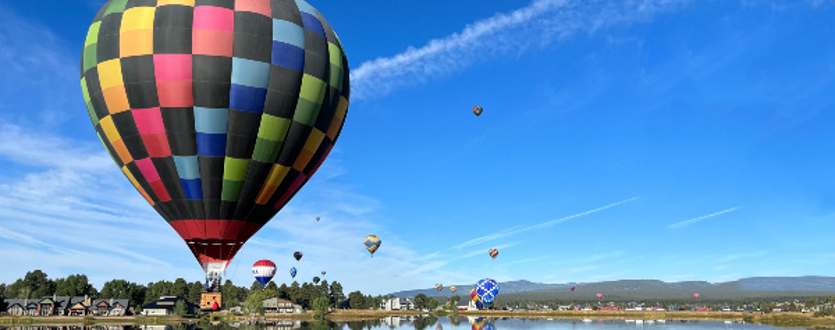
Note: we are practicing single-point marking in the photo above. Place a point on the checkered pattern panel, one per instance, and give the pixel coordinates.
(217, 111)
(487, 290)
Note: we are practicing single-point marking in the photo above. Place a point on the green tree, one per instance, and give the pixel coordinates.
(179, 288)
(335, 294)
(320, 308)
(35, 284)
(122, 289)
(195, 292)
(356, 300)
(3, 296)
(254, 303)
(74, 285)
(294, 292)
(233, 295)
(255, 286)
(156, 290)
(180, 308)
(271, 286)
(283, 291)
(421, 301)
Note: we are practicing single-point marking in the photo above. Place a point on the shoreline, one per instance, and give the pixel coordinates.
(780, 319)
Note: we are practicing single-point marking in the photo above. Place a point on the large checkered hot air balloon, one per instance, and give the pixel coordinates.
(263, 271)
(486, 290)
(218, 112)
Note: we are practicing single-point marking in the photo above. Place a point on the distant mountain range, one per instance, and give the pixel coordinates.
(750, 284)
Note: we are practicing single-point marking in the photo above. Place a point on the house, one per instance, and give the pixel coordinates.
(165, 306)
(21, 307)
(108, 307)
(65, 306)
(62, 306)
(397, 304)
(281, 306)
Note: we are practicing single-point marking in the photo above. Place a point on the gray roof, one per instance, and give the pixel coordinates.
(123, 302)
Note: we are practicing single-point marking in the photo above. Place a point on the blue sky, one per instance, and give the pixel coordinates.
(672, 140)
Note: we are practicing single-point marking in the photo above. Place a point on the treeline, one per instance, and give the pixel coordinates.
(37, 284)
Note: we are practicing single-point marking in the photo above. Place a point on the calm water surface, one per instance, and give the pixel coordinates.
(448, 323)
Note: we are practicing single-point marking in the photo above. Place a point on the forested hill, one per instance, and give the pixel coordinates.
(751, 284)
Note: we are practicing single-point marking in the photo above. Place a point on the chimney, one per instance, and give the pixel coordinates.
(111, 302)
(86, 300)
(54, 297)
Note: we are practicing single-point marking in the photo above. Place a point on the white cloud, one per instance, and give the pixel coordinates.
(539, 24)
(40, 65)
(701, 218)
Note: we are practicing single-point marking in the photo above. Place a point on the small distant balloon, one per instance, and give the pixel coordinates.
(477, 110)
(372, 243)
(453, 289)
(298, 255)
(324, 272)
(316, 280)
(697, 296)
(439, 287)
(318, 218)
(599, 296)
(494, 253)
(293, 272)
(572, 288)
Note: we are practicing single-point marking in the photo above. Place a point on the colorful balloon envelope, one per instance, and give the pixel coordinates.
(439, 287)
(316, 280)
(477, 110)
(479, 323)
(263, 270)
(293, 272)
(453, 289)
(599, 296)
(494, 253)
(487, 289)
(372, 243)
(473, 294)
(572, 289)
(217, 112)
(298, 255)
(697, 296)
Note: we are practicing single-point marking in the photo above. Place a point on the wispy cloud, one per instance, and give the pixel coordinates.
(36, 61)
(701, 218)
(539, 24)
(515, 231)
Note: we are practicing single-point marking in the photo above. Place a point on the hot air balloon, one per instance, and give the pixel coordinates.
(494, 253)
(599, 296)
(572, 288)
(477, 110)
(263, 270)
(473, 294)
(487, 289)
(697, 296)
(216, 135)
(293, 272)
(439, 287)
(323, 273)
(318, 218)
(298, 255)
(316, 280)
(453, 289)
(372, 243)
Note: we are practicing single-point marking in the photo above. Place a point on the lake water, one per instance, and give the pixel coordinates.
(432, 323)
